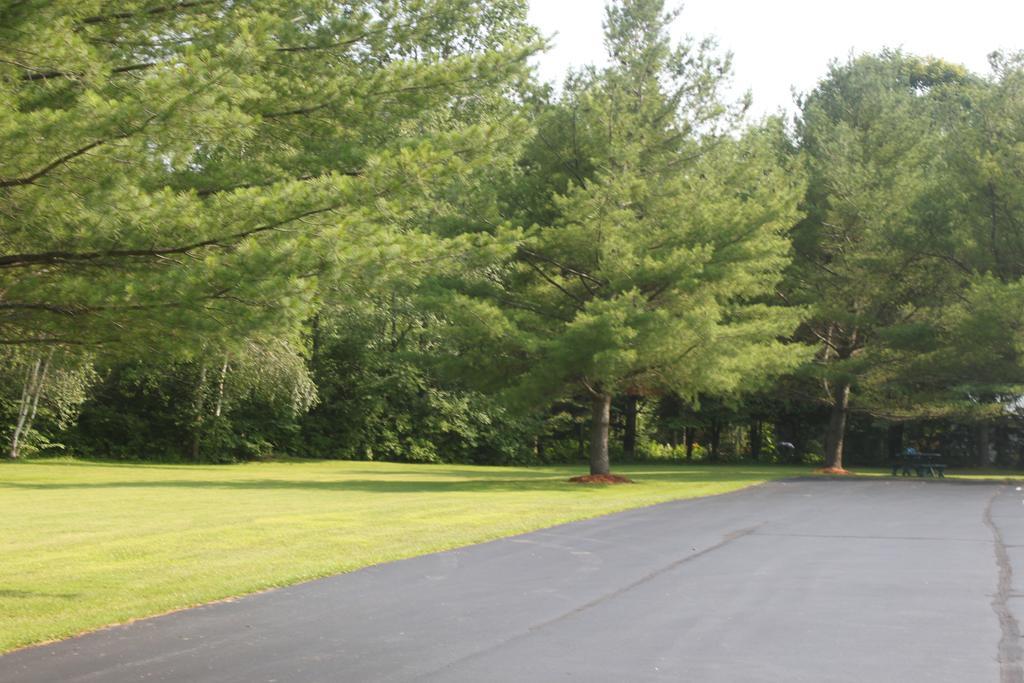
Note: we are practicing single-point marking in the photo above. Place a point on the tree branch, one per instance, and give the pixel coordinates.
(562, 266)
(580, 302)
(43, 75)
(207, 192)
(56, 257)
(29, 179)
(47, 340)
(120, 16)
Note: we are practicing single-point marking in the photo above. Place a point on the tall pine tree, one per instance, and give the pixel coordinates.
(867, 259)
(657, 234)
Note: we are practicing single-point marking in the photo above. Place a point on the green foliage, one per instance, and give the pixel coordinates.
(662, 451)
(865, 263)
(221, 153)
(36, 412)
(382, 401)
(662, 233)
(232, 230)
(228, 160)
(973, 352)
(137, 411)
(870, 139)
(917, 222)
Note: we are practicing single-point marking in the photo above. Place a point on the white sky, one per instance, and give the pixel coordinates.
(781, 44)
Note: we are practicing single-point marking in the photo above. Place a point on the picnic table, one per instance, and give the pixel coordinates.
(924, 464)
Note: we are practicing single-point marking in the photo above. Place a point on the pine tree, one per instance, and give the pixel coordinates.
(177, 174)
(967, 359)
(658, 235)
(867, 262)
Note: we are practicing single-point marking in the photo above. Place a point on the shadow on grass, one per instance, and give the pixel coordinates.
(35, 594)
(488, 482)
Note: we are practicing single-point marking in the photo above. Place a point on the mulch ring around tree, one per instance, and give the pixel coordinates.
(833, 470)
(601, 479)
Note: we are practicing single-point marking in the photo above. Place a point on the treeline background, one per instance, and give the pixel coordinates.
(363, 230)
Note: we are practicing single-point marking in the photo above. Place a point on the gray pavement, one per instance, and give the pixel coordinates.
(885, 580)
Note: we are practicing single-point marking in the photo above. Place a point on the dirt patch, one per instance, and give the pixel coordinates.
(834, 470)
(601, 479)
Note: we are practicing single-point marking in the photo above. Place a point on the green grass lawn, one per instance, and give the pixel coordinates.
(87, 544)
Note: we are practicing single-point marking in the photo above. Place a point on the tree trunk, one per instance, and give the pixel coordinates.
(714, 439)
(1004, 454)
(629, 436)
(19, 424)
(894, 441)
(755, 440)
(40, 383)
(200, 404)
(981, 445)
(35, 377)
(581, 449)
(837, 427)
(601, 408)
(220, 386)
(688, 434)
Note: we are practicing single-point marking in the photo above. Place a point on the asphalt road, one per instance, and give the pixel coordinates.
(888, 580)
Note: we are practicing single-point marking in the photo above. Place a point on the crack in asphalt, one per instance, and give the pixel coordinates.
(726, 539)
(855, 537)
(1009, 645)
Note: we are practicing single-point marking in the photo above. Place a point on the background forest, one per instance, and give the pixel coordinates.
(240, 229)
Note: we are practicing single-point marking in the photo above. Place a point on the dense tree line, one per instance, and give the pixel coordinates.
(233, 229)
